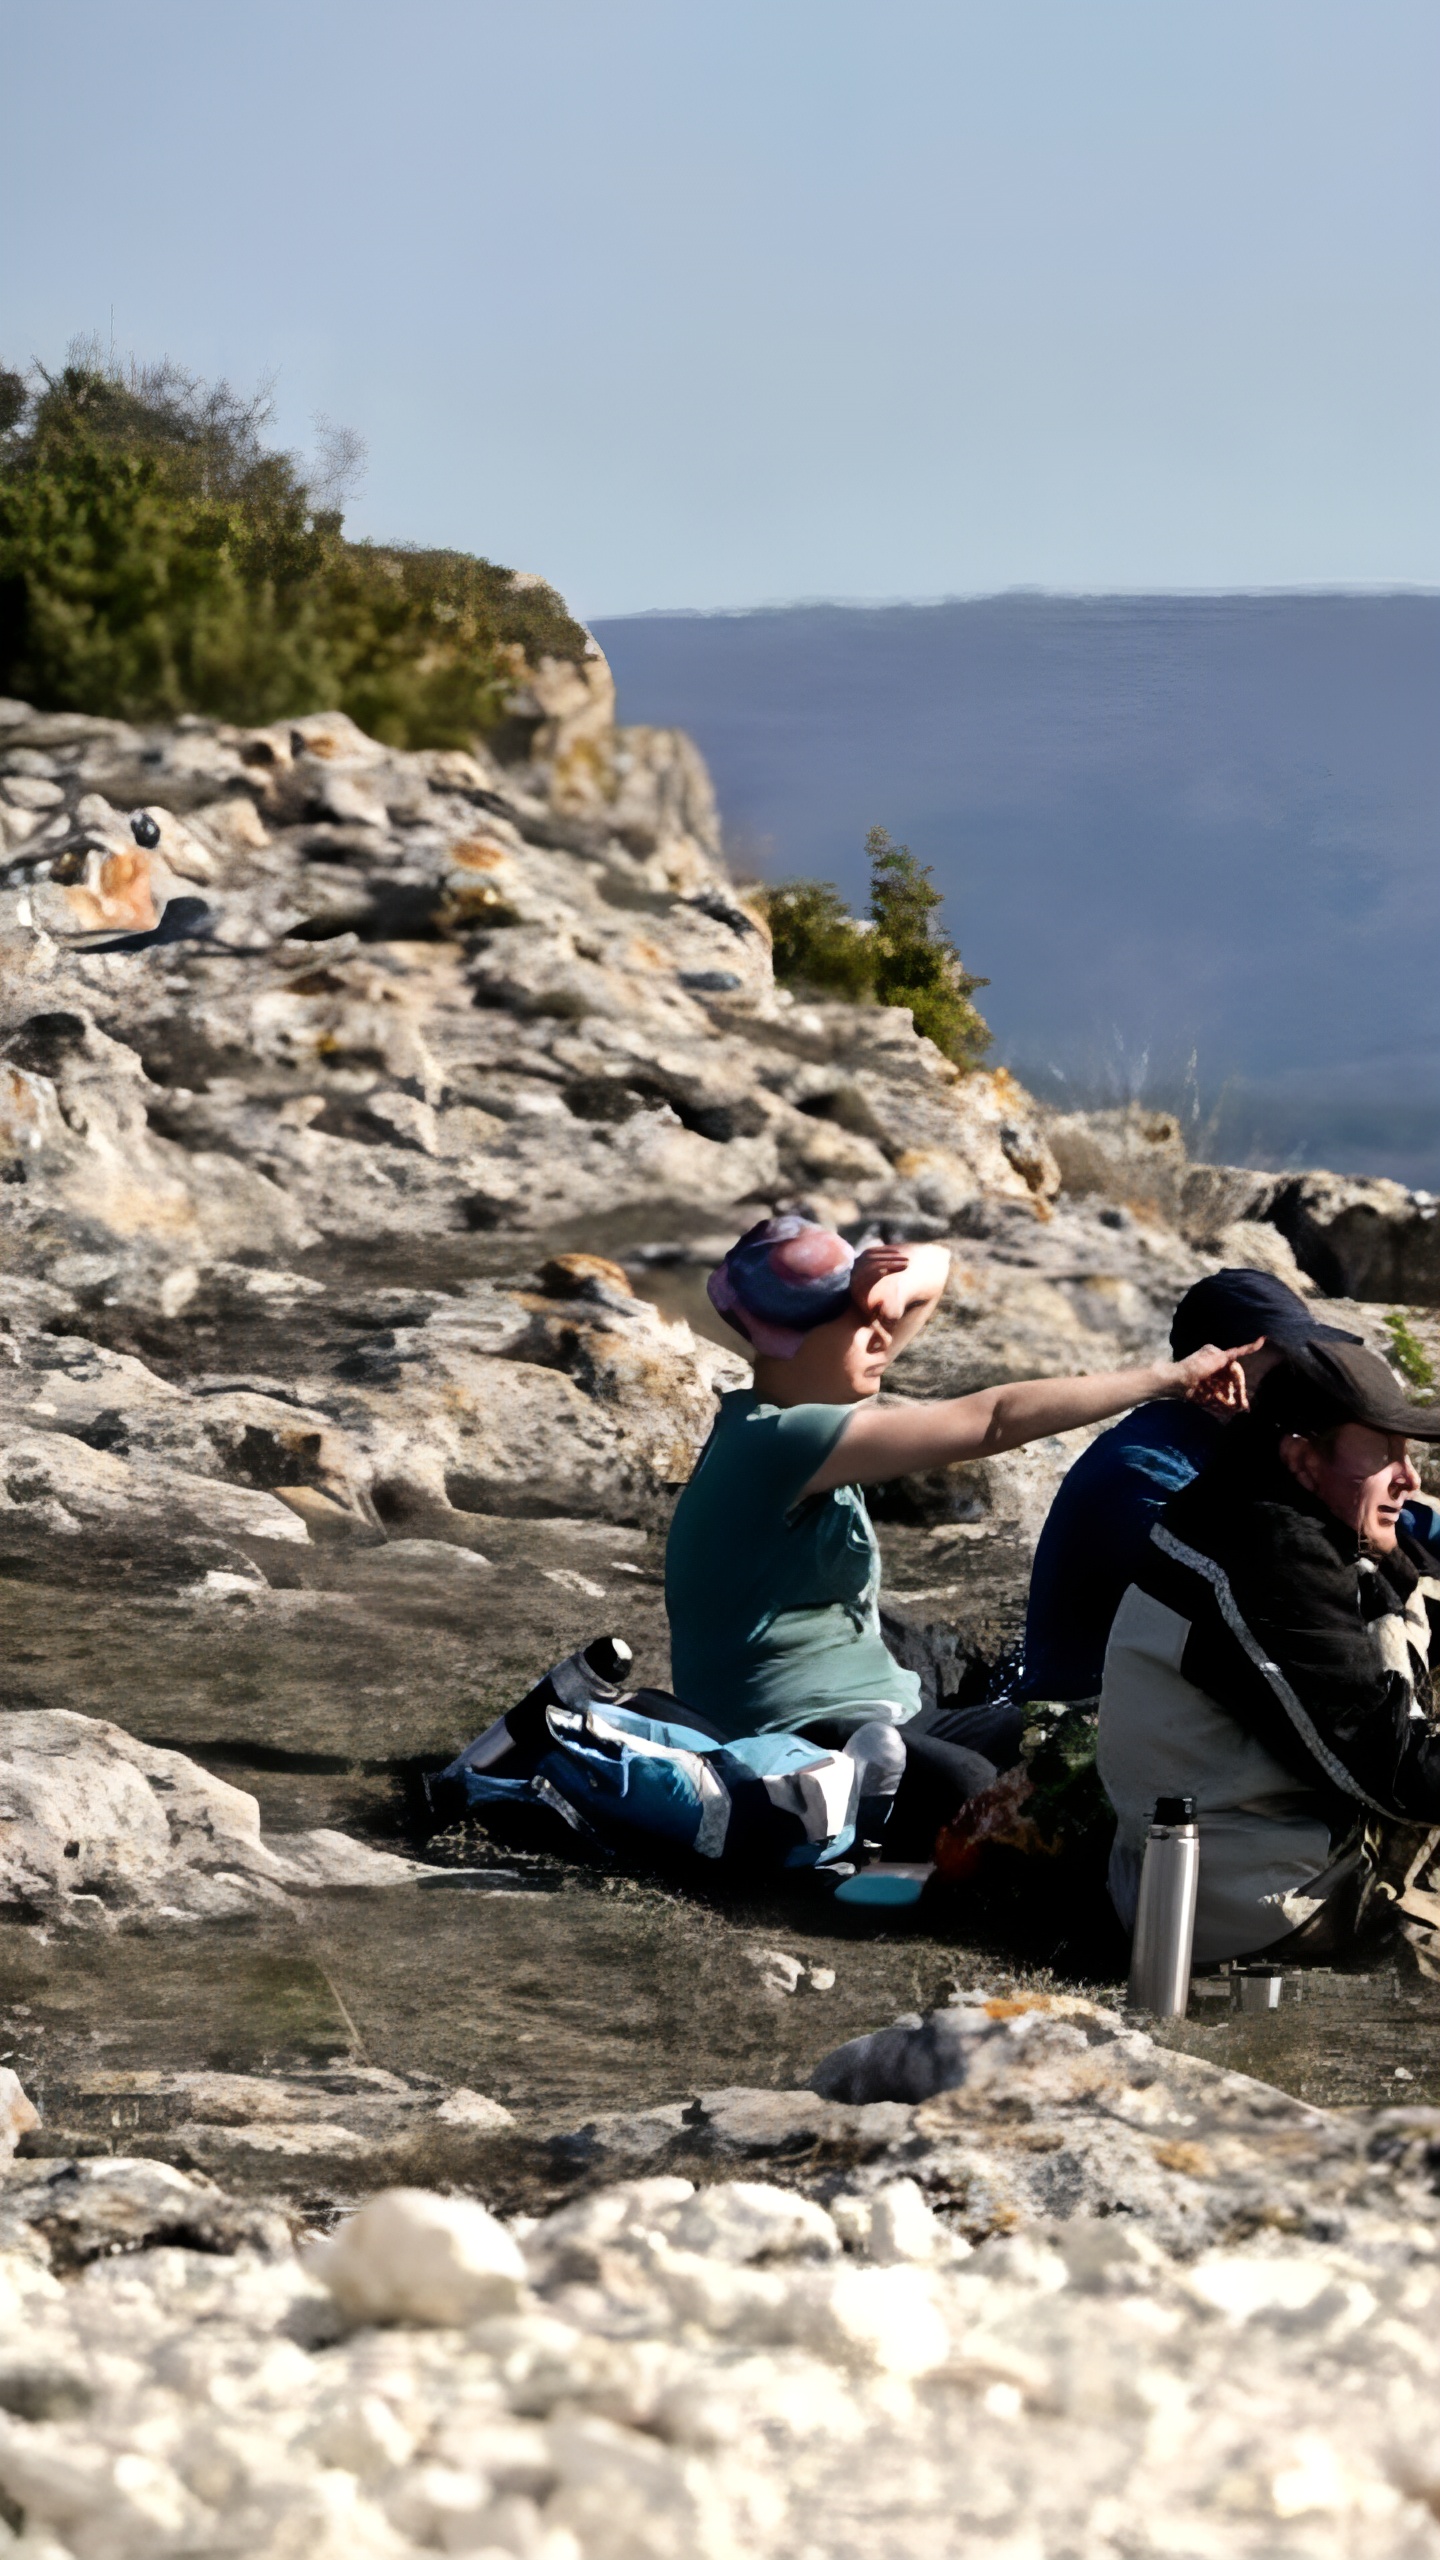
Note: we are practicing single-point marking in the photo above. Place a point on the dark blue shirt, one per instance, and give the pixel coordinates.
(1097, 1528)
(1093, 1539)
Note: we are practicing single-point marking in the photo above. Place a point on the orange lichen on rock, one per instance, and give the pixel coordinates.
(121, 894)
(572, 1275)
(477, 853)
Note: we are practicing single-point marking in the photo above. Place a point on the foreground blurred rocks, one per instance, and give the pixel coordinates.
(1074, 2293)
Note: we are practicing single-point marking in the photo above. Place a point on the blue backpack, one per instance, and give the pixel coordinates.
(618, 1773)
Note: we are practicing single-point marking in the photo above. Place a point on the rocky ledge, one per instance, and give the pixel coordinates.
(367, 1122)
(1013, 2278)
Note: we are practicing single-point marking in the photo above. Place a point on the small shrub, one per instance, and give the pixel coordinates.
(899, 957)
(157, 557)
(915, 963)
(1409, 1353)
(819, 949)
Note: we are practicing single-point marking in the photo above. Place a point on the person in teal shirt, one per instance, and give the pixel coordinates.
(772, 1575)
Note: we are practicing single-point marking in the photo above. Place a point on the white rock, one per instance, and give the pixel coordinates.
(73, 2485)
(438, 2507)
(31, 791)
(751, 2305)
(410, 2255)
(895, 2226)
(510, 2524)
(628, 2498)
(744, 2220)
(472, 2112)
(365, 2436)
(777, 1971)
(634, 2205)
(98, 1825)
(314, 1859)
(1242, 2288)
(885, 2318)
(17, 2115)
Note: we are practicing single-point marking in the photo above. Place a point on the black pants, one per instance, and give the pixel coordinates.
(951, 1753)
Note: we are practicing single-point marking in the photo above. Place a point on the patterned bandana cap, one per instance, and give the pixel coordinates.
(782, 1279)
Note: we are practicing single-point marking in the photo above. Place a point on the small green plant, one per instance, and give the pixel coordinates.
(157, 557)
(915, 963)
(819, 948)
(1409, 1353)
(897, 956)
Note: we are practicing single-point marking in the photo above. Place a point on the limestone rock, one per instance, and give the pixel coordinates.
(778, 1972)
(17, 2115)
(413, 2256)
(885, 2318)
(349, 2126)
(473, 2112)
(742, 2220)
(99, 1827)
(1348, 1237)
(1361, 1239)
(1223, 2325)
(1136, 1158)
(894, 2226)
(482, 1002)
(75, 2212)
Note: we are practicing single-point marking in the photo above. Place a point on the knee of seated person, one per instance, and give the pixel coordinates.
(878, 1750)
(973, 1772)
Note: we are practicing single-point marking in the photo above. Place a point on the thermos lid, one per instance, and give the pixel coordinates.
(609, 1658)
(1174, 1809)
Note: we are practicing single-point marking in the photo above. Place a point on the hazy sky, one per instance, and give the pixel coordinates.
(713, 302)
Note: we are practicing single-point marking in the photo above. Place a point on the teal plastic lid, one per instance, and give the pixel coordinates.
(890, 1888)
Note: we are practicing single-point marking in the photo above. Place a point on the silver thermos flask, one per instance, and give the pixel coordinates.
(1165, 1914)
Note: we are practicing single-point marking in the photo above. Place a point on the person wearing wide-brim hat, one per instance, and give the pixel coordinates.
(1271, 1659)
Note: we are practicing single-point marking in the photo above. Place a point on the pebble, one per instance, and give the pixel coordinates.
(744, 2220)
(408, 2255)
(777, 1971)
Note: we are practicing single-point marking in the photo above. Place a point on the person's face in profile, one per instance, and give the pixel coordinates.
(1362, 1475)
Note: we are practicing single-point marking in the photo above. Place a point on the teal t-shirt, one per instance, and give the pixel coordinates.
(774, 1602)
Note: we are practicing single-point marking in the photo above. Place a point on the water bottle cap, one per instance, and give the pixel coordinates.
(609, 1658)
(1173, 1809)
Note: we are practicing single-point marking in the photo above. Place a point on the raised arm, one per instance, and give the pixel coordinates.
(903, 1284)
(881, 1441)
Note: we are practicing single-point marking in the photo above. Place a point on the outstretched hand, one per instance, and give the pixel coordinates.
(1215, 1379)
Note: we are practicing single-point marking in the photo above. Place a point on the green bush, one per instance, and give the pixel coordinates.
(915, 963)
(819, 948)
(157, 557)
(898, 957)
